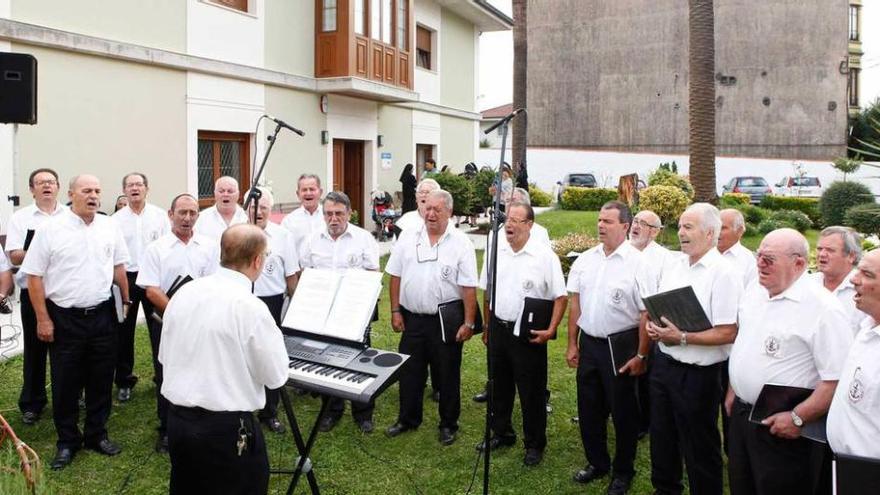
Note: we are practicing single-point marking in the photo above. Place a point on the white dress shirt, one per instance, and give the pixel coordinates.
(717, 287)
(224, 358)
(169, 258)
(534, 271)
(355, 248)
(281, 262)
(845, 293)
(853, 425)
(140, 229)
(792, 339)
(5, 265)
(303, 224)
(743, 261)
(609, 289)
(211, 224)
(410, 220)
(655, 257)
(76, 260)
(432, 275)
(27, 218)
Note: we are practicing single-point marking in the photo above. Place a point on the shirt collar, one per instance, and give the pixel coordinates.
(235, 277)
(732, 249)
(708, 260)
(423, 232)
(59, 208)
(528, 248)
(326, 233)
(319, 212)
(794, 292)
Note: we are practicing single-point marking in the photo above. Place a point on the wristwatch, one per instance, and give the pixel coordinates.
(684, 339)
(471, 326)
(796, 419)
(641, 356)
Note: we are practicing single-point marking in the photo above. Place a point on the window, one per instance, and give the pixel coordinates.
(853, 89)
(375, 19)
(853, 23)
(360, 25)
(382, 20)
(328, 17)
(241, 5)
(402, 24)
(219, 154)
(423, 47)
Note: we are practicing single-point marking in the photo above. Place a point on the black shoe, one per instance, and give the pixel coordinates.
(63, 458)
(619, 486)
(366, 426)
(274, 425)
(435, 396)
(105, 447)
(328, 423)
(162, 444)
(533, 457)
(397, 429)
(30, 417)
(588, 474)
(82, 402)
(124, 394)
(446, 436)
(481, 397)
(497, 443)
(643, 434)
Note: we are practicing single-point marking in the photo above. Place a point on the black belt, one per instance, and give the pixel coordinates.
(419, 315)
(198, 412)
(504, 323)
(91, 310)
(739, 402)
(676, 362)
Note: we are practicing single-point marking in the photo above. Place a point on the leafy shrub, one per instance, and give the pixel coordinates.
(753, 214)
(732, 200)
(460, 188)
(573, 242)
(668, 202)
(664, 177)
(770, 225)
(797, 220)
(481, 184)
(586, 198)
(864, 218)
(538, 196)
(841, 196)
(810, 206)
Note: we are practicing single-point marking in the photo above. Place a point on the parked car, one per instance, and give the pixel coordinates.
(803, 187)
(755, 187)
(575, 180)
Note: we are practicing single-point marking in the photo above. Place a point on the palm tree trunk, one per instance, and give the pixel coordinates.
(520, 65)
(701, 98)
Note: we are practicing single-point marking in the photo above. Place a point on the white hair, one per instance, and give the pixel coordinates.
(445, 196)
(710, 219)
(431, 184)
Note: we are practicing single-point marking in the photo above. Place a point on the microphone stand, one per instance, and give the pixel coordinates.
(492, 275)
(254, 194)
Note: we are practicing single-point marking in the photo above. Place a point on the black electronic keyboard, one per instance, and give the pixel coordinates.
(339, 370)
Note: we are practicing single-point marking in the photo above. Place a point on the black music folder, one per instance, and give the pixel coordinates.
(29, 236)
(623, 347)
(452, 318)
(179, 282)
(778, 398)
(681, 307)
(536, 315)
(855, 475)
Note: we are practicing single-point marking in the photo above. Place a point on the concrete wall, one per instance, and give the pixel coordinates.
(458, 142)
(154, 23)
(395, 124)
(290, 40)
(107, 118)
(457, 74)
(612, 74)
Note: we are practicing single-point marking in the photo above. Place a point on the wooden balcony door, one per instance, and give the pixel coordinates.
(348, 174)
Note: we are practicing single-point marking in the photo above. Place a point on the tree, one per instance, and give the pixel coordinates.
(520, 66)
(701, 98)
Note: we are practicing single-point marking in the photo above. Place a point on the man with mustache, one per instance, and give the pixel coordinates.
(225, 212)
(72, 262)
(43, 184)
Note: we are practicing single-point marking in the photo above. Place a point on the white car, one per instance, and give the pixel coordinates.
(801, 187)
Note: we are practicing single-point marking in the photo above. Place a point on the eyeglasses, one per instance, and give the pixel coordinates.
(514, 221)
(770, 259)
(135, 184)
(337, 214)
(427, 254)
(47, 182)
(645, 225)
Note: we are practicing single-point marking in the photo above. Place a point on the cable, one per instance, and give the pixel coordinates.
(406, 473)
(133, 470)
(474, 474)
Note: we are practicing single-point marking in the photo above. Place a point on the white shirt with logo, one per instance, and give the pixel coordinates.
(845, 294)
(140, 229)
(27, 218)
(282, 261)
(168, 258)
(212, 225)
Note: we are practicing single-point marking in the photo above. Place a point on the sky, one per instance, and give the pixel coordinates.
(496, 59)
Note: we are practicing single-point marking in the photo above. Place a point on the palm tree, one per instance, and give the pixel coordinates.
(701, 98)
(520, 65)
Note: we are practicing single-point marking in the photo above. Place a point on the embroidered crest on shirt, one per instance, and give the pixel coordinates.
(270, 267)
(856, 387)
(446, 272)
(772, 346)
(154, 235)
(617, 296)
(528, 285)
(352, 259)
(108, 250)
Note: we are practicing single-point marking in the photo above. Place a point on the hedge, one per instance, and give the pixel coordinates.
(668, 202)
(587, 198)
(664, 177)
(460, 188)
(732, 200)
(864, 218)
(809, 206)
(573, 242)
(539, 197)
(840, 197)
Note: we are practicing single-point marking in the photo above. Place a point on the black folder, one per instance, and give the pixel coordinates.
(452, 318)
(779, 398)
(536, 315)
(856, 475)
(681, 307)
(28, 238)
(623, 347)
(179, 282)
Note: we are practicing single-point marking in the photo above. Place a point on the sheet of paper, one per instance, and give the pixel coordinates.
(312, 301)
(353, 307)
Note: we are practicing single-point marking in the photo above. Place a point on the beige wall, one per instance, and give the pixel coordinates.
(153, 23)
(107, 118)
(290, 40)
(457, 141)
(294, 155)
(395, 124)
(457, 62)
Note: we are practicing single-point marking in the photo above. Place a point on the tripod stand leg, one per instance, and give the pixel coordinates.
(303, 463)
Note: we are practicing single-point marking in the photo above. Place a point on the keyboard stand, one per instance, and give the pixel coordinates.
(303, 462)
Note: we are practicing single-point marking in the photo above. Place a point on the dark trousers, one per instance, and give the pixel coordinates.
(270, 410)
(422, 342)
(125, 377)
(600, 393)
(33, 388)
(204, 456)
(760, 463)
(724, 382)
(684, 424)
(643, 392)
(360, 411)
(83, 357)
(519, 367)
(155, 330)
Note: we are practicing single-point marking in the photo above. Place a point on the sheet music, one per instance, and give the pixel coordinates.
(353, 307)
(312, 300)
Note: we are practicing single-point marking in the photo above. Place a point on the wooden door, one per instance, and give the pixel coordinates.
(348, 174)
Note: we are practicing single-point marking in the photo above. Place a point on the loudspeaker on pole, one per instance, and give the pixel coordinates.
(18, 88)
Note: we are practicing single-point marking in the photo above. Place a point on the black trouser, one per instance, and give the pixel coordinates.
(724, 382)
(33, 388)
(360, 411)
(125, 377)
(155, 330)
(83, 356)
(684, 424)
(519, 367)
(600, 393)
(643, 392)
(204, 455)
(270, 410)
(760, 463)
(422, 342)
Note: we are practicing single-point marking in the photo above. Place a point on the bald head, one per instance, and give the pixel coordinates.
(782, 259)
(241, 249)
(733, 226)
(85, 196)
(226, 194)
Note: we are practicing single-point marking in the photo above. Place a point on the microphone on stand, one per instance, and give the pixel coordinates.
(285, 125)
(507, 118)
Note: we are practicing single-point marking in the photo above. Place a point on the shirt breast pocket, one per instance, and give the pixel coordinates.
(618, 294)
